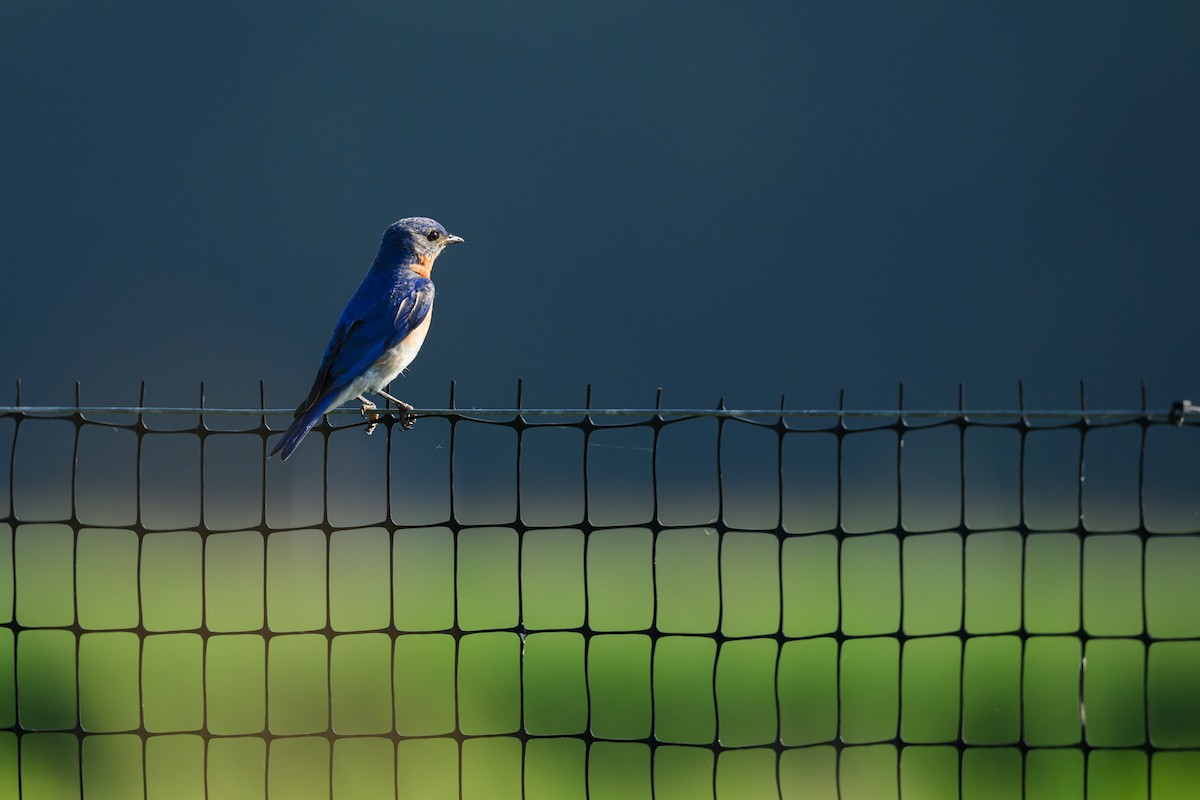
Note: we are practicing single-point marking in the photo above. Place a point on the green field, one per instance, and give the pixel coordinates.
(360, 654)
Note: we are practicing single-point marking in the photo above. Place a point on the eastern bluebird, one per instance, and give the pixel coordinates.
(381, 328)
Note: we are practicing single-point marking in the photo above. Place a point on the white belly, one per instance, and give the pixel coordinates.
(394, 361)
(390, 364)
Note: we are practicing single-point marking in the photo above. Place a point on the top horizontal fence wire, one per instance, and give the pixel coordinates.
(715, 413)
(584, 602)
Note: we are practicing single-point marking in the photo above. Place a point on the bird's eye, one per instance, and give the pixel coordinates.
(433, 236)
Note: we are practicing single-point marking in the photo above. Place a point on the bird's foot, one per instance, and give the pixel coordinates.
(368, 411)
(406, 419)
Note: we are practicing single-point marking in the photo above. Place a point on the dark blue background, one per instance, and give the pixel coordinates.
(719, 200)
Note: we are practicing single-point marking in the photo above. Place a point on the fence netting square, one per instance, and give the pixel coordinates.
(592, 604)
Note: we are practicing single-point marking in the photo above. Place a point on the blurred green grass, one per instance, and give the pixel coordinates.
(364, 634)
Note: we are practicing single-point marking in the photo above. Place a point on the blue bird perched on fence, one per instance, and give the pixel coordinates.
(381, 328)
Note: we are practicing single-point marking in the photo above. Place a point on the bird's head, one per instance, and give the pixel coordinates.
(415, 242)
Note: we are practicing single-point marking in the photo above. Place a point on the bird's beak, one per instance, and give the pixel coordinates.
(452, 239)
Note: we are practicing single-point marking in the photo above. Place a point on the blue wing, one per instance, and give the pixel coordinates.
(376, 319)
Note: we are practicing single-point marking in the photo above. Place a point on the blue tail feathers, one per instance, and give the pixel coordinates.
(299, 428)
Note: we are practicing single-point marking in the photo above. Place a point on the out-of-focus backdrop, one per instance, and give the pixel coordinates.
(719, 200)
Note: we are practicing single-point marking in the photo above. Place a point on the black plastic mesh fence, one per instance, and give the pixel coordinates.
(601, 604)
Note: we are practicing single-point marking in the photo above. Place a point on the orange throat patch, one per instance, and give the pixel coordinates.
(423, 266)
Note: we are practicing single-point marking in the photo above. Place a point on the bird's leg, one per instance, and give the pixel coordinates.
(406, 419)
(367, 408)
(399, 403)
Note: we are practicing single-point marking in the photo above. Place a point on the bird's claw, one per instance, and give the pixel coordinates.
(406, 417)
(368, 409)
